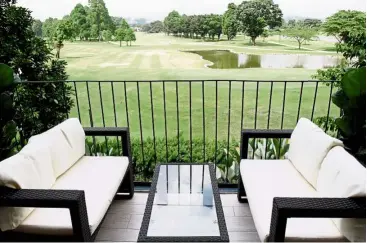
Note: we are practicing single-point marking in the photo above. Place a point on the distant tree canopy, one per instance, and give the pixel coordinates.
(125, 33)
(37, 27)
(230, 22)
(343, 22)
(300, 33)
(254, 16)
(153, 27)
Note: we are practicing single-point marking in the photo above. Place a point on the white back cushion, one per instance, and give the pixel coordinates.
(341, 175)
(40, 155)
(60, 149)
(308, 147)
(74, 133)
(17, 172)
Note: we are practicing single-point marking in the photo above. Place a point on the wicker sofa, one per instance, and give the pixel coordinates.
(51, 191)
(317, 193)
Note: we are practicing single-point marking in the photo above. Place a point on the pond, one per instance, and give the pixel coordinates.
(224, 59)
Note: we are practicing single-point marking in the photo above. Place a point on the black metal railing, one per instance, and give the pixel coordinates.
(196, 120)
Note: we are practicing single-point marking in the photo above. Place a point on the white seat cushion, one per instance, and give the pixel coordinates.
(99, 177)
(265, 179)
(18, 172)
(61, 150)
(74, 133)
(309, 145)
(341, 175)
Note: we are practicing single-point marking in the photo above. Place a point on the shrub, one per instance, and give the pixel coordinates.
(144, 167)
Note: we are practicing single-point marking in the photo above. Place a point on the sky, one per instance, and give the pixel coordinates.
(158, 9)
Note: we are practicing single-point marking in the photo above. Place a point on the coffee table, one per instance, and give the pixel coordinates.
(184, 205)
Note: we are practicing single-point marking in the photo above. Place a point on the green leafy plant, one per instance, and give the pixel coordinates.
(228, 164)
(328, 124)
(144, 166)
(8, 127)
(272, 148)
(351, 99)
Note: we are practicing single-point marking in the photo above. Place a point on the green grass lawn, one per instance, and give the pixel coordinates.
(159, 57)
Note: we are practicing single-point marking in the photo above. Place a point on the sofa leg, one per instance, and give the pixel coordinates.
(127, 185)
(241, 193)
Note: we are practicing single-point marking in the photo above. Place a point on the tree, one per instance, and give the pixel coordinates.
(120, 35)
(78, 18)
(156, 27)
(49, 29)
(265, 35)
(172, 23)
(107, 35)
(300, 34)
(147, 27)
(312, 23)
(343, 22)
(99, 17)
(230, 22)
(124, 25)
(202, 25)
(254, 16)
(129, 36)
(38, 106)
(214, 25)
(64, 31)
(37, 27)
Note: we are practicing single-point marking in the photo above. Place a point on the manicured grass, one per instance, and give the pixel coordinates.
(158, 57)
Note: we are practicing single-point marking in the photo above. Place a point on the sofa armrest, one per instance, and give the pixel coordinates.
(74, 200)
(290, 207)
(122, 132)
(246, 134)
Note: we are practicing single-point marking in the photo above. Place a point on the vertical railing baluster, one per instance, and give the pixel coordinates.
(256, 103)
(281, 124)
(216, 125)
(141, 128)
(63, 83)
(255, 120)
(300, 101)
(102, 112)
(269, 112)
(165, 118)
(178, 124)
(203, 99)
(153, 126)
(283, 106)
(77, 102)
(229, 125)
(242, 105)
(90, 113)
(190, 104)
(328, 109)
(314, 100)
(114, 114)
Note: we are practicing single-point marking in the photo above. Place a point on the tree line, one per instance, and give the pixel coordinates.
(254, 19)
(250, 17)
(89, 22)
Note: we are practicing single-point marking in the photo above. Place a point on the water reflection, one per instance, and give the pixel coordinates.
(223, 59)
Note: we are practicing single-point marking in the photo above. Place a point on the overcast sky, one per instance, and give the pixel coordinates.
(158, 9)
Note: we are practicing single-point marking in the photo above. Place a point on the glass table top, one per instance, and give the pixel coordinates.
(183, 202)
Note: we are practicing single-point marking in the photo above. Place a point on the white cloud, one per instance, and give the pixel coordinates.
(158, 9)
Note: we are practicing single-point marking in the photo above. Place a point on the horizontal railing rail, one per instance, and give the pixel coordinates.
(195, 120)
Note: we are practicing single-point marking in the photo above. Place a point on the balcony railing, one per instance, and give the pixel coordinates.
(197, 120)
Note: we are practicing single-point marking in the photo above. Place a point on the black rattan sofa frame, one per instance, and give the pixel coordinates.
(291, 207)
(74, 200)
